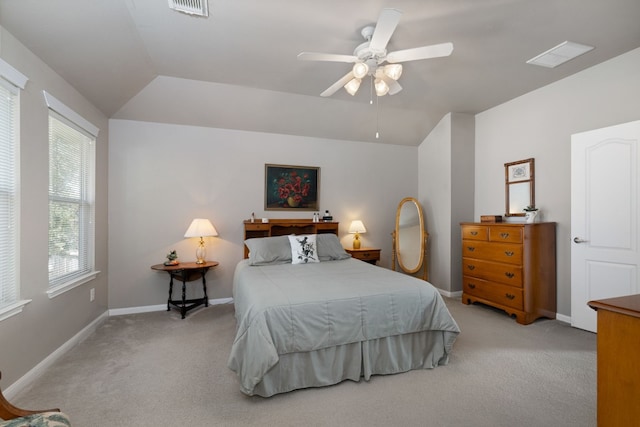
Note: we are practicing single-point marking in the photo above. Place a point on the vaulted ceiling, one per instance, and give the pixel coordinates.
(237, 69)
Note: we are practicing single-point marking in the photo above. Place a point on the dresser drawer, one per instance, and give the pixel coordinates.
(508, 274)
(500, 294)
(505, 234)
(510, 253)
(257, 226)
(475, 232)
(366, 255)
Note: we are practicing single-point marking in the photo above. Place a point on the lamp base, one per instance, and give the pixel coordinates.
(201, 252)
(356, 241)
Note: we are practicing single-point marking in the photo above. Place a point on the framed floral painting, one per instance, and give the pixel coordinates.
(291, 187)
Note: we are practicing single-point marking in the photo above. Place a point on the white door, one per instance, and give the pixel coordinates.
(604, 218)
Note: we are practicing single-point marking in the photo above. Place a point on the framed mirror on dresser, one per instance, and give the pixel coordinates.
(520, 187)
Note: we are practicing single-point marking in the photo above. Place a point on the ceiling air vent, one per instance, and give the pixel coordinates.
(560, 54)
(192, 7)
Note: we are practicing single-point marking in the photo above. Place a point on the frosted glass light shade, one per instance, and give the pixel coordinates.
(360, 69)
(382, 88)
(393, 71)
(352, 86)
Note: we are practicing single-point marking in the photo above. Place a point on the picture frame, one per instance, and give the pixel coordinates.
(519, 171)
(291, 188)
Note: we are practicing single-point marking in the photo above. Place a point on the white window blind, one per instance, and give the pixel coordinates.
(71, 201)
(8, 194)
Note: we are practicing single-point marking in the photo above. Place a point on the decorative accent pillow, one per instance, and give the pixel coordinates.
(329, 247)
(303, 249)
(269, 250)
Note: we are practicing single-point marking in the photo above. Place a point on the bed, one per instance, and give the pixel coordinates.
(310, 323)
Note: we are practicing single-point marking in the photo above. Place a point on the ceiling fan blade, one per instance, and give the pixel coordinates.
(424, 52)
(313, 56)
(337, 85)
(387, 23)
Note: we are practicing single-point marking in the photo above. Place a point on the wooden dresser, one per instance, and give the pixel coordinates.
(283, 227)
(511, 267)
(618, 368)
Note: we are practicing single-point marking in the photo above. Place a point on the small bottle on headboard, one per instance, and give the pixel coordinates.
(253, 217)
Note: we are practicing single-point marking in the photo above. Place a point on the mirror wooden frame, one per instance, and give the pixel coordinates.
(519, 179)
(396, 253)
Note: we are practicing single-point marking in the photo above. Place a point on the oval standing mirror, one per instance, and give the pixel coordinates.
(409, 237)
(519, 186)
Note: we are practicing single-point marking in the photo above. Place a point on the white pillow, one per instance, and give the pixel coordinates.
(303, 249)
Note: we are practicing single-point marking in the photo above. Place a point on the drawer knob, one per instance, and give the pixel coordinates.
(471, 248)
(509, 275)
(510, 296)
(504, 235)
(508, 253)
(471, 267)
(473, 233)
(472, 286)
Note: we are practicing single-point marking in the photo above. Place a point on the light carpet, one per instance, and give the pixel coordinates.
(156, 369)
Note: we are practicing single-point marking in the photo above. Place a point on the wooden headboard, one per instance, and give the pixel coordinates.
(284, 227)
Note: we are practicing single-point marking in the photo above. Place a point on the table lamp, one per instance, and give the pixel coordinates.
(201, 227)
(357, 227)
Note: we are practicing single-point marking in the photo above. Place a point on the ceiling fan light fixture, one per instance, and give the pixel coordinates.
(393, 71)
(360, 69)
(352, 86)
(382, 88)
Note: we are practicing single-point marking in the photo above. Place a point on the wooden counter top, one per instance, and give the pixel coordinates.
(629, 305)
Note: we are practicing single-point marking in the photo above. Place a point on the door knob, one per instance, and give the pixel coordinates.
(579, 240)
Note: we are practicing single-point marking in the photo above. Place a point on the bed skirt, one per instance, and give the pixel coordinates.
(328, 366)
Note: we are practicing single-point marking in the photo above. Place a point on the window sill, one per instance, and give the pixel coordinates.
(54, 291)
(13, 309)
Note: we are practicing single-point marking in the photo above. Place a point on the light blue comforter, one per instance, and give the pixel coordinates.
(289, 308)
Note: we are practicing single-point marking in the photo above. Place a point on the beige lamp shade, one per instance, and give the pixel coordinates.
(357, 227)
(201, 227)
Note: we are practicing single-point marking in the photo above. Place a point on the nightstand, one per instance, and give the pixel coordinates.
(370, 255)
(186, 272)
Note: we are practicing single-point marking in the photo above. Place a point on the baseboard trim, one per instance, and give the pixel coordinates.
(456, 294)
(563, 318)
(161, 307)
(37, 370)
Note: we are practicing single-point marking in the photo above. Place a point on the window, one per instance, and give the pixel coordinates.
(71, 203)
(8, 195)
(10, 83)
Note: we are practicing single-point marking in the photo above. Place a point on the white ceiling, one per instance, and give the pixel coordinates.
(237, 69)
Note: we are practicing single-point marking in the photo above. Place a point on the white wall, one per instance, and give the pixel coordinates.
(539, 125)
(161, 176)
(46, 324)
(446, 188)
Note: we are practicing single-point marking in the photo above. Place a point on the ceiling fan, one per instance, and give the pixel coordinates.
(369, 58)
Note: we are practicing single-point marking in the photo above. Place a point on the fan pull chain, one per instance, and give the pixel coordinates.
(377, 116)
(371, 92)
